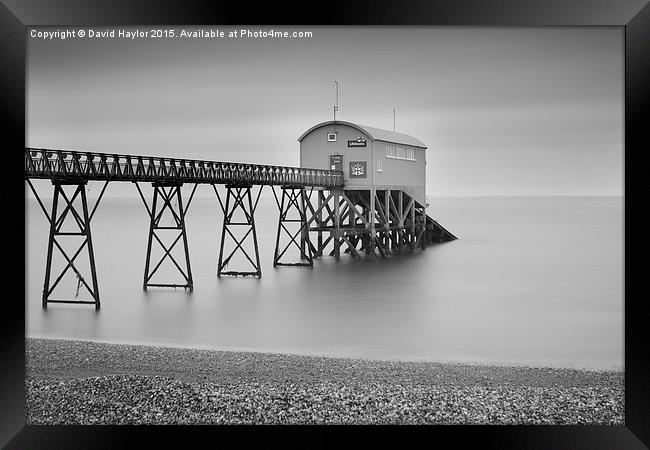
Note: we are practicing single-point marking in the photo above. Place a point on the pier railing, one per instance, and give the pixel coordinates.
(74, 165)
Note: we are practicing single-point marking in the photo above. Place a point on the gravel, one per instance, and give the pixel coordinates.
(80, 382)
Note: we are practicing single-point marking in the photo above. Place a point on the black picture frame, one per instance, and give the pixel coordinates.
(633, 15)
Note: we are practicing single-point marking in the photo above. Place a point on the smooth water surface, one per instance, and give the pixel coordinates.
(532, 280)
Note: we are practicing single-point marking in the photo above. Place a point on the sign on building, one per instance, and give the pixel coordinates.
(359, 142)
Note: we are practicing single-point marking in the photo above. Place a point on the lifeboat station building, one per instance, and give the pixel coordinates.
(369, 157)
(383, 203)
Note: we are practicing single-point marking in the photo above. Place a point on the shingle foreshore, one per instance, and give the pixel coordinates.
(81, 382)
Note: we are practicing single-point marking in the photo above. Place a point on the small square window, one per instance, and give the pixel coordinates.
(331, 137)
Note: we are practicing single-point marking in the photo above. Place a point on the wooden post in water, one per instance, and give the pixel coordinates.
(337, 225)
(387, 216)
(319, 221)
(400, 232)
(412, 224)
(371, 221)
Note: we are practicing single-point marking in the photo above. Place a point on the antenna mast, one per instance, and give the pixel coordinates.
(336, 105)
(393, 109)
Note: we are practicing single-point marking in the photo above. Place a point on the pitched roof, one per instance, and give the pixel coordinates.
(376, 134)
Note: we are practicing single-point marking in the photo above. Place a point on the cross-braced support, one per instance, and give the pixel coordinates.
(374, 221)
(293, 199)
(238, 200)
(163, 200)
(321, 222)
(82, 222)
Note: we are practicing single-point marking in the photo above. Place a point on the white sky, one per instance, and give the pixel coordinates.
(504, 111)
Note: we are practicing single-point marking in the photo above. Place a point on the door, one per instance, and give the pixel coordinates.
(336, 162)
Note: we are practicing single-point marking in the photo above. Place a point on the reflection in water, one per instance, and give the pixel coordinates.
(531, 280)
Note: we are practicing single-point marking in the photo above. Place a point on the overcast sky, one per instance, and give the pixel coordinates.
(504, 111)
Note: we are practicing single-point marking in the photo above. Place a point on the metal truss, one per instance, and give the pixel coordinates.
(50, 164)
(238, 198)
(163, 196)
(82, 221)
(293, 198)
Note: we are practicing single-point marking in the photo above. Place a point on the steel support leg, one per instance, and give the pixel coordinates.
(293, 199)
(238, 198)
(164, 195)
(82, 229)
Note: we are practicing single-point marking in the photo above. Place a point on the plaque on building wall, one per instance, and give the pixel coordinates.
(358, 169)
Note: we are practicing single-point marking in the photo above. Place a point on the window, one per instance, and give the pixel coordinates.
(331, 137)
(395, 152)
(380, 166)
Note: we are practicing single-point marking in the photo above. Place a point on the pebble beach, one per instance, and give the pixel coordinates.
(83, 382)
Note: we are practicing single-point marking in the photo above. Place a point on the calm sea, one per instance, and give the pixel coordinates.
(532, 280)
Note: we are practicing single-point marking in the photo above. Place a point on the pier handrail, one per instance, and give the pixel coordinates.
(78, 165)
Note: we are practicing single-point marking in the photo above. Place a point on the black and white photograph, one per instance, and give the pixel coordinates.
(324, 225)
